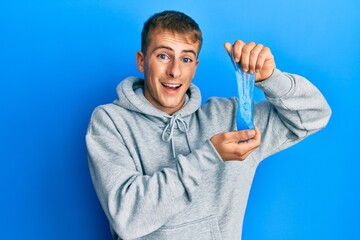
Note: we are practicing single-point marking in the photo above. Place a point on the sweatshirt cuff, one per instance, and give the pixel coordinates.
(277, 85)
(207, 156)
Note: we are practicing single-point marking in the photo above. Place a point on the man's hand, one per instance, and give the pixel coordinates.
(229, 148)
(253, 58)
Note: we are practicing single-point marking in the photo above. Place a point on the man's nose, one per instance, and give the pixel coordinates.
(174, 70)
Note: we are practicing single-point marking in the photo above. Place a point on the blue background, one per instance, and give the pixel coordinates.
(60, 59)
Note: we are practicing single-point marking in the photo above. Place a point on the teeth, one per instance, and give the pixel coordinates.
(171, 85)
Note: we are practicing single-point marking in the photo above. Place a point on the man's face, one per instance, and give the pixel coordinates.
(169, 65)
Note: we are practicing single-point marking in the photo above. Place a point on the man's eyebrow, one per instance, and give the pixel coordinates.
(162, 46)
(169, 48)
(190, 51)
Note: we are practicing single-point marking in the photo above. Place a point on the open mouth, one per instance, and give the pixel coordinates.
(171, 86)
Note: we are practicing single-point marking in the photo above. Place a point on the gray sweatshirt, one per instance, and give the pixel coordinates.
(158, 176)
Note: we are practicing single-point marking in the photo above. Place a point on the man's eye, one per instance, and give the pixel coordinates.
(162, 56)
(187, 60)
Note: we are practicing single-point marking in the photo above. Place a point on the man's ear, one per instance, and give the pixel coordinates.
(197, 62)
(140, 58)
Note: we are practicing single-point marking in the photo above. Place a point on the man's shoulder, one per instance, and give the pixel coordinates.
(107, 107)
(110, 110)
(219, 104)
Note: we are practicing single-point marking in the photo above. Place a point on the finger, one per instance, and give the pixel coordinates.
(263, 55)
(241, 150)
(245, 55)
(245, 146)
(253, 58)
(252, 143)
(228, 47)
(243, 157)
(238, 47)
(257, 136)
(236, 136)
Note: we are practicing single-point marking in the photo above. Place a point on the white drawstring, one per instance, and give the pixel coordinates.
(182, 126)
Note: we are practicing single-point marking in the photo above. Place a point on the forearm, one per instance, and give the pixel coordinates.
(294, 110)
(300, 105)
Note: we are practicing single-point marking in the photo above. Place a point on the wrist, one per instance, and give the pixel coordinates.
(265, 76)
(277, 85)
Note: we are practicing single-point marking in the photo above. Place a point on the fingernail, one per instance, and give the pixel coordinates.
(252, 133)
(236, 60)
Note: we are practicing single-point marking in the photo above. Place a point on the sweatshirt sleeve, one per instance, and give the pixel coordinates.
(294, 109)
(137, 204)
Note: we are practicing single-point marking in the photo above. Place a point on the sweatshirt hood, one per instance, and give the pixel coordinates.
(131, 96)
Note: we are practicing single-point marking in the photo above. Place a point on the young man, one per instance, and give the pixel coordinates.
(165, 167)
